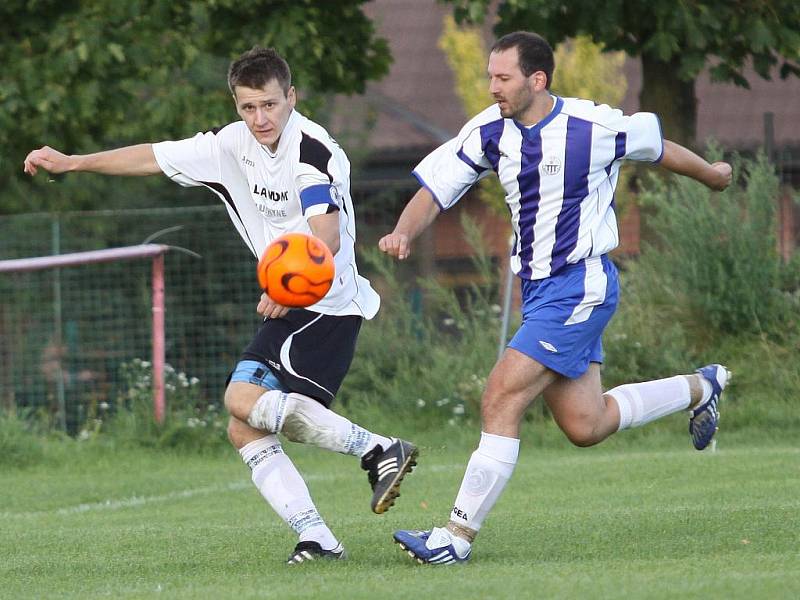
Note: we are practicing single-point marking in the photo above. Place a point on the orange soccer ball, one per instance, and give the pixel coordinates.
(296, 270)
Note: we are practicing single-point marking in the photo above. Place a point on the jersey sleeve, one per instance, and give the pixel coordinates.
(193, 161)
(315, 178)
(639, 135)
(450, 170)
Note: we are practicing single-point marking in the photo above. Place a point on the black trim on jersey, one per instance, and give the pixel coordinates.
(216, 130)
(314, 153)
(226, 196)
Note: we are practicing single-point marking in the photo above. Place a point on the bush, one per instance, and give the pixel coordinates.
(647, 338)
(20, 442)
(189, 422)
(426, 364)
(719, 251)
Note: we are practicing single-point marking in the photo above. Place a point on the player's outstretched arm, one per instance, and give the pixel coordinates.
(683, 161)
(130, 160)
(420, 212)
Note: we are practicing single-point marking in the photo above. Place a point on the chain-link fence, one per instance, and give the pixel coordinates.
(66, 335)
(67, 332)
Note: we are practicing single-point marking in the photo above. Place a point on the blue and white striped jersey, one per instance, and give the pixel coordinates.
(559, 176)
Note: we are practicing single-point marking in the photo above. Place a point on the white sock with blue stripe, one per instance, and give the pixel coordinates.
(281, 485)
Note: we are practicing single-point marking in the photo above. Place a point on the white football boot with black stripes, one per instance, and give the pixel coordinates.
(385, 471)
(433, 547)
(308, 551)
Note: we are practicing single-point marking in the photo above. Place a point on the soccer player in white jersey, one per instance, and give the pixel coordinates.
(277, 172)
(558, 160)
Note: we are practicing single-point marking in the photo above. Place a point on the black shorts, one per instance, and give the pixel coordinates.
(308, 352)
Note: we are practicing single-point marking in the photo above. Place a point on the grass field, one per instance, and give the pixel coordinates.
(645, 517)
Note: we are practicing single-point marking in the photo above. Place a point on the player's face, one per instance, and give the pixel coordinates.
(265, 111)
(509, 87)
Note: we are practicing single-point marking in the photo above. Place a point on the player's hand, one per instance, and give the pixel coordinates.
(270, 309)
(722, 177)
(48, 159)
(395, 244)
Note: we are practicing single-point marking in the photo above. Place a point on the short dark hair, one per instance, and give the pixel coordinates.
(257, 67)
(535, 54)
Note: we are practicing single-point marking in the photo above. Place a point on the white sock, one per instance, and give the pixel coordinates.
(488, 471)
(303, 419)
(641, 403)
(707, 389)
(281, 485)
(441, 537)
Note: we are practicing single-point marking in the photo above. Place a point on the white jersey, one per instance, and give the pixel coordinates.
(268, 194)
(559, 176)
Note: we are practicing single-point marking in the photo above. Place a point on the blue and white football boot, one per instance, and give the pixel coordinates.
(703, 418)
(435, 547)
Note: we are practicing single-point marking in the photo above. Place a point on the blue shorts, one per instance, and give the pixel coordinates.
(563, 317)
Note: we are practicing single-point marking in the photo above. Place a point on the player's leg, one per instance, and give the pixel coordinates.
(515, 381)
(562, 316)
(588, 416)
(282, 486)
(581, 410)
(304, 357)
(300, 418)
(641, 403)
(303, 419)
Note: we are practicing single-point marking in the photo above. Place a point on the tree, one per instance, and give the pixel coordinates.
(675, 40)
(81, 75)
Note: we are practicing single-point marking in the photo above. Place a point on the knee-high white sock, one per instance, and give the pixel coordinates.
(303, 419)
(488, 471)
(640, 403)
(281, 485)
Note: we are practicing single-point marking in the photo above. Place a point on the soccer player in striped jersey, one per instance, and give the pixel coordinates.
(278, 172)
(558, 160)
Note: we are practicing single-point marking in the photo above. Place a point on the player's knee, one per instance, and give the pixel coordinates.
(230, 400)
(583, 434)
(237, 403)
(236, 432)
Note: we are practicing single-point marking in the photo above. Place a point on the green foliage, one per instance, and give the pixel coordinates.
(427, 365)
(719, 249)
(20, 442)
(585, 71)
(465, 53)
(189, 424)
(82, 76)
(646, 339)
(676, 39)
(766, 32)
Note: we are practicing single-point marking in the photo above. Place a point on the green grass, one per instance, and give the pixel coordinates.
(638, 517)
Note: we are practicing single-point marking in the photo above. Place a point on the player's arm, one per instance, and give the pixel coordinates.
(683, 161)
(326, 228)
(130, 160)
(420, 212)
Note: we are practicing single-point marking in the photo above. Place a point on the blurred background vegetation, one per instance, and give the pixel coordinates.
(82, 76)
